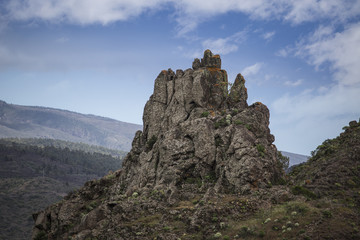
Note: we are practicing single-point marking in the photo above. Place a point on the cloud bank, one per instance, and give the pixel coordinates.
(328, 106)
(188, 13)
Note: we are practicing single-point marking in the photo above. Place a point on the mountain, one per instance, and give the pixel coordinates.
(205, 167)
(36, 173)
(200, 143)
(40, 122)
(295, 158)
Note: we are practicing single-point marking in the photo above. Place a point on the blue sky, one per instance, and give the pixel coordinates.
(300, 58)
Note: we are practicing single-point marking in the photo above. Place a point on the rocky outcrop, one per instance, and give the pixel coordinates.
(198, 137)
(195, 128)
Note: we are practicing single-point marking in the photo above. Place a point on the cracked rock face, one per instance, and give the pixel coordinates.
(199, 140)
(196, 129)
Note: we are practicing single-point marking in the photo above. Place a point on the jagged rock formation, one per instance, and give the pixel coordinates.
(193, 129)
(198, 139)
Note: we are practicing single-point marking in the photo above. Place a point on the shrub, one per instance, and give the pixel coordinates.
(167, 228)
(220, 123)
(246, 232)
(217, 235)
(327, 213)
(283, 161)
(234, 112)
(150, 143)
(299, 190)
(238, 122)
(218, 141)
(41, 236)
(205, 114)
(261, 149)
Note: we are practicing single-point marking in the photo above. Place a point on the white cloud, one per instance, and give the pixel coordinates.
(293, 83)
(188, 13)
(252, 70)
(268, 35)
(341, 50)
(225, 45)
(329, 106)
(311, 10)
(80, 11)
(284, 52)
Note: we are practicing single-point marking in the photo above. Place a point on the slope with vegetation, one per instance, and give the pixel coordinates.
(36, 173)
(205, 168)
(40, 122)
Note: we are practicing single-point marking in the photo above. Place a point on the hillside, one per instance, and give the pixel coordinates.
(60, 144)
(33, 176)
(40, 122)
(205, 167)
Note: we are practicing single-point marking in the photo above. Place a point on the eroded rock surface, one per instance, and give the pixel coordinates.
(195, 128)
(199, 138)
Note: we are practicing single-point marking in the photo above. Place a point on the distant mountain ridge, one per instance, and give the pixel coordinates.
(42, 122)
(295, 158)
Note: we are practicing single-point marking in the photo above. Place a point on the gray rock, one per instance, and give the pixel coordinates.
(197, 139)
(196, 64)
(236, 151)
(211, 61)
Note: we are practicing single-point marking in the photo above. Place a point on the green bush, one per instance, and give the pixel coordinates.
(41, 236)
(220, 123)
(299, 190)
(150, 143)
(205, 114)
(327, 214)
(283, 161)
(238, 122)
(261, 149)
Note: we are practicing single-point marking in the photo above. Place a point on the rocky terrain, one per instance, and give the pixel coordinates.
(204, 167)
(40, 122)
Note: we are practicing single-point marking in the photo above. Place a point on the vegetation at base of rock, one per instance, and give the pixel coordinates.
(299, 190)
(290, 212)
(203, 181)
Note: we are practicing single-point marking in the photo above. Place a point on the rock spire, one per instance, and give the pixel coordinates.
(199, 140)
(194, 127)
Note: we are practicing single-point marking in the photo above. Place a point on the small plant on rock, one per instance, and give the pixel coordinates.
(150, 143)
(205, 114)
(261, 149)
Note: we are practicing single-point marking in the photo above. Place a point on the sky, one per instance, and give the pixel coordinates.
(300, 58)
